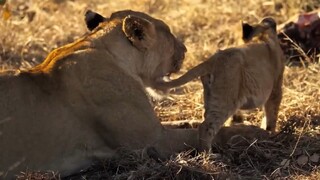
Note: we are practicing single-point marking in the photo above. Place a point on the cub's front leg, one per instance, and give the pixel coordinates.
(271, 108)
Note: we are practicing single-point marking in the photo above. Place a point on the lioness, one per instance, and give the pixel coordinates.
(87, 98)
(243, 77)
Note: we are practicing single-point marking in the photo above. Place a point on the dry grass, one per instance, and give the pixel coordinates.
(38, 26)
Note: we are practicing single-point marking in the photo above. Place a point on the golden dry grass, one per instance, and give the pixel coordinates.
(38, 26)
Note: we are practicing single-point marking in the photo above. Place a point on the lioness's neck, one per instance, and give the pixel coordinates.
(120, 49)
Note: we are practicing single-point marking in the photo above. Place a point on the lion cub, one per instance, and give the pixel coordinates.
(242, 77)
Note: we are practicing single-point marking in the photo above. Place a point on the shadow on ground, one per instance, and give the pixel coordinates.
(291, 152)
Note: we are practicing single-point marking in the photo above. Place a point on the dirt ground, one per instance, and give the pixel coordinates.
(31, 29)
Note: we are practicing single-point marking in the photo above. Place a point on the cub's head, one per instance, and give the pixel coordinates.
(267, 28)
(146, 41)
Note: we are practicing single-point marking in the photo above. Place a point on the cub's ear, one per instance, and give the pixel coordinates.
(270, 23)
(247, 32)
(140, 32)
(93, 19)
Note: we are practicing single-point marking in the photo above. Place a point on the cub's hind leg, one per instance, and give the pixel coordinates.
(219, 105)
(210, 127)
(271, 109)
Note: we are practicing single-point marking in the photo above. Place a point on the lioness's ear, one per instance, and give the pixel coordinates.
(140, 32)
(93, 19)
(247, 32)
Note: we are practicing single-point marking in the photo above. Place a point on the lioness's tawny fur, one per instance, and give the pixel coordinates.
(242, 77)
(87, 98)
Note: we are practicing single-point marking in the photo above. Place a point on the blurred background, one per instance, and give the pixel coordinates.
(30, 29)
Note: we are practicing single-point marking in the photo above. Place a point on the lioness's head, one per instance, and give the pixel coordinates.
(150, 40)
(266, 27)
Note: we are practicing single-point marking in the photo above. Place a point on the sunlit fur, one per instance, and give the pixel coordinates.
(82, 44)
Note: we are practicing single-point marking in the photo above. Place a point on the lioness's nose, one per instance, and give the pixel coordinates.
(183, 47)
(182, 51)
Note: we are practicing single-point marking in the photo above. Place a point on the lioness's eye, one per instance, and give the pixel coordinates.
(209, 79)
